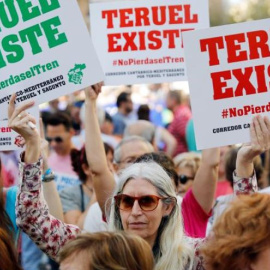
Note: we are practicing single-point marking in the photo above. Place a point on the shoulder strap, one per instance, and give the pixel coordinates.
(82, 199)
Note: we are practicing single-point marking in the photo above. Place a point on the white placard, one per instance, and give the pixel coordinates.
(45, 52)
(11, 140)
(229, 78)
(141, 41)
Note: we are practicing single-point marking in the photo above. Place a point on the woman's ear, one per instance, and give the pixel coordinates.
(169, 207)
(86, 169)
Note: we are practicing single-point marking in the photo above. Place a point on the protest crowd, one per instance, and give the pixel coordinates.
(111, 177)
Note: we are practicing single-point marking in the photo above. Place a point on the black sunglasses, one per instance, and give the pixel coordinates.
(56, 139)
(183, 178)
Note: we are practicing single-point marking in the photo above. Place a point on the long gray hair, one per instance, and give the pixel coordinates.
(171, 249)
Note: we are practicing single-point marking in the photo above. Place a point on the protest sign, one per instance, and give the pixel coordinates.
(141, 41)
(11, 140)
(45, 52)
(229, 73)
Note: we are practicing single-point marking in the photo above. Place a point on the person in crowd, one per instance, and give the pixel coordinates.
(223, 186)
(182, 115)
(9, 232)
(76, 200)
(222, 202)
(241, 237)
(190, 137)
(74, 112)
(195, 207)
(10, 170)
(187, 165)
(144, 200)
(143, 129)
(31, 255)
(107, 250)
(59, 134)
(230, 161)
(163, 139)
(128, 150)
(106, 127)
(8, 254)
(125, 107)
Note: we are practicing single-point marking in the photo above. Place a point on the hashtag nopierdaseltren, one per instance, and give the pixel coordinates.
(225, 113)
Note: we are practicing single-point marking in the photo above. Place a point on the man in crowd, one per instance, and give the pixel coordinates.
(182, 115)
(121, 118)
(59, 134)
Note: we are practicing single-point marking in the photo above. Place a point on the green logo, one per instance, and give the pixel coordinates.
(75, 74)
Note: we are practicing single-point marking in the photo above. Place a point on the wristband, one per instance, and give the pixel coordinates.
(48, 176)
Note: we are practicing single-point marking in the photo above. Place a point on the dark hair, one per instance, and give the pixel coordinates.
(108, 149)
(60, 118)
(176, 95)
(78, 158)
(144, 112)
(230, 164)
(8, 259)
(164, 161)
(123, 97)
(8, 256)
(108, 118)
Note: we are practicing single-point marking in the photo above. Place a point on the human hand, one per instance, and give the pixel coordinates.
(260, 139)
(260, 142)
(19, 120)
(92, 92)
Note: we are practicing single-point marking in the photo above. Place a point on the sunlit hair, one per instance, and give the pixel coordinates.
(240, 234)
(171, 249)
(110, 250)
(188, 160)
(8, 256)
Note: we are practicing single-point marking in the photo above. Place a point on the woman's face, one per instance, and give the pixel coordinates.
(182, 189)
(138, 221)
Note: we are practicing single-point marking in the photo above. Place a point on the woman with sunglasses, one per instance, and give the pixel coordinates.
(147, 187)
(187, 165)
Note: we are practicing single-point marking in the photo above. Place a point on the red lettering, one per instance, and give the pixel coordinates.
(171, 34)
(212, 45)
(173, 14)
(109, 15)
(141, 15)
(142, 41)
(219, 84)
(157, 42)
(112, 41)
(244, 83)
(159, 18)
(188, 18)
(258, 40)
(262, 86)
(125, 20)
(129, 37)
(233, 47)
(5, 129)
